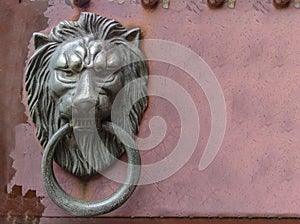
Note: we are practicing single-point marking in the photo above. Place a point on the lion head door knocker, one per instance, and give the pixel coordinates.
(72, 81)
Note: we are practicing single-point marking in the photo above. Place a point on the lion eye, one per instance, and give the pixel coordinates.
(61, 62)
(67, 76)
(107, 62)
(100, 62)
(75, 63)
(113, 60)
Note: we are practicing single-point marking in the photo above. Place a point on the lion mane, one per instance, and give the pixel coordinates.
(42, 106)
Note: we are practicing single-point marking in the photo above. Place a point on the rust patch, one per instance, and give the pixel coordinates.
(18, 207)
(19, 20)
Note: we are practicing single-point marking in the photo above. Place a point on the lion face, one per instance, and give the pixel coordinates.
(73, 77)
(85, 78)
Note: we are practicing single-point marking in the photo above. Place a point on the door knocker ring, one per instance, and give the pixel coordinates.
(78, 70)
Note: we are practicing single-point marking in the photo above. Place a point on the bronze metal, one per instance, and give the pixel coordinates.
(281, 3)
(149, 4)
(215, 3)
(81, 3)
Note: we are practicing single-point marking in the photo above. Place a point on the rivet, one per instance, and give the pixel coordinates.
(81, 3)
(149, 4)
(281, 3)
(166, 4)
(121, 1)
(215, 3)
(231, 4)
(297, 4)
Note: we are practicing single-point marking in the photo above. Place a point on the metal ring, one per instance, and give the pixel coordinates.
(87, 208)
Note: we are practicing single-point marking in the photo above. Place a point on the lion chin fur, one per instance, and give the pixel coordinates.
(91, 153)
(87, 153)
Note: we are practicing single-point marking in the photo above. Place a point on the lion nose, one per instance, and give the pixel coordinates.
(85, 97)
(84, 106)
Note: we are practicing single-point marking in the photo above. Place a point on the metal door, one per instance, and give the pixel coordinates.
(245, 129)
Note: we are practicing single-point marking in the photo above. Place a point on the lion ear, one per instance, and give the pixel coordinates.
(40, 39)
(133, 37)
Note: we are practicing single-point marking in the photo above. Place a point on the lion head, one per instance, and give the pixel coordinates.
(78, 70)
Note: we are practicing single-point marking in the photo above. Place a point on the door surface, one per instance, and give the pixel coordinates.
(245, 94)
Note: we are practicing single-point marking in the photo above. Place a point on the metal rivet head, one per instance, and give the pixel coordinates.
(231, 4)
(121, 1)
(215, 3)
(81, 3)
(281, 3)
(149, 4)
(166, 4)
(297, 4)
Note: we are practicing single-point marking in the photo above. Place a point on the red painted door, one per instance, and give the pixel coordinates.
(220, 136)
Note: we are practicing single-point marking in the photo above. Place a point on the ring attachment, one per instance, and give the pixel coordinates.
(87, 208)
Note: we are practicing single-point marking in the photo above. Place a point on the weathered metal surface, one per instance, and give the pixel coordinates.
(14, 39)
(46, 220)
(256, 172)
